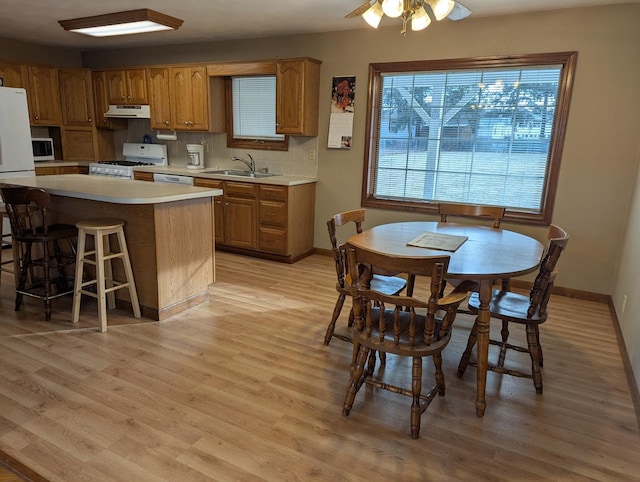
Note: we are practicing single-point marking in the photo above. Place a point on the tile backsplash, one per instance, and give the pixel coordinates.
(294, 162)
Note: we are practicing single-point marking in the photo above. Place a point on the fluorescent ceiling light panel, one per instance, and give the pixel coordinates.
(122, 23)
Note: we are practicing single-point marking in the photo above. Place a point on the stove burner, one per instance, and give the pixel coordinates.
(126, 163)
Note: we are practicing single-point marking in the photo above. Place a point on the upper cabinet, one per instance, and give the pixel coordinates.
(14, 74)
(159, 99)
(297, 94)
(126, 86)
(101, 104)
(189, 93)
(76, 98)
(43, 96)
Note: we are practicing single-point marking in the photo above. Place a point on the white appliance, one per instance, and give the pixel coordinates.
(196, 156)
(173, 178)
(42, 149)
(129, 112)
(134, 155)
(16, 152)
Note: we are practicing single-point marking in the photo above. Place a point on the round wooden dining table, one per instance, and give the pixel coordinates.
(486, 255)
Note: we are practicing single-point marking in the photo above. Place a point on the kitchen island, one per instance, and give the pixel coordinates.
(169, 230)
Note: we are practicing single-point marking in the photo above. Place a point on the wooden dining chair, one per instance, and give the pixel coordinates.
(387, 284)
(399, 324)
(530, 311)
(491, 213)
(44, 267)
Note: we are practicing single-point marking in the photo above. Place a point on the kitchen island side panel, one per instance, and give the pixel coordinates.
(167, 244)
(184, 250)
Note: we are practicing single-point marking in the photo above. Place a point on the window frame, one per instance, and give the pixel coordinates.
(374, 103)
(245, 143)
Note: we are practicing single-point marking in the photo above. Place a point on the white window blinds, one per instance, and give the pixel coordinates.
(254, 108)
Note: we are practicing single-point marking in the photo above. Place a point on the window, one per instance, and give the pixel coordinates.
(476, 131)
(252, 119)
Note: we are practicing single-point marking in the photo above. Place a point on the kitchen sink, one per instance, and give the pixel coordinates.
(231, 172)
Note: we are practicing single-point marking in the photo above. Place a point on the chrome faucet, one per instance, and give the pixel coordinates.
(251, 164)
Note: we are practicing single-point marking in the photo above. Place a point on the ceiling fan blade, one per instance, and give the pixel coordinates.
(360, 10)
(459, 12)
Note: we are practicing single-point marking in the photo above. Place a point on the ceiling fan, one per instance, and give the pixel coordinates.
(410, 10)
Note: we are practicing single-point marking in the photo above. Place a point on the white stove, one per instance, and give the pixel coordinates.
(134, 155)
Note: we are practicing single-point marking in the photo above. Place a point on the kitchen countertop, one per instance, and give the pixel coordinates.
(113, 190)
(281, 180)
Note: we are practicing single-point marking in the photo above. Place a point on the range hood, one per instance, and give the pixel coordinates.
(129, 111)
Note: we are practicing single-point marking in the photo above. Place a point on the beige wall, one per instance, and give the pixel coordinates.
(627, 282)
(39, 54)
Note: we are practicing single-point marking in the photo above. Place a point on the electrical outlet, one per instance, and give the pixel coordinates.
(624, 303)
(206, 147)
(312, 154)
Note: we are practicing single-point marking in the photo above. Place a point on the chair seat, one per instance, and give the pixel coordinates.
(508, 306)
(388, 284)
(54, 232)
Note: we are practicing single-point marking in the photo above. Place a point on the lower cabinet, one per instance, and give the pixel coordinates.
(143, 176)
(264, 220)
(54, 170)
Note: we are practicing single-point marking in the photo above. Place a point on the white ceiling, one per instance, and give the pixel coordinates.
(214, 20)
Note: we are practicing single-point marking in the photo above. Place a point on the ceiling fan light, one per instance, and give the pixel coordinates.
(393, 8)
(441, 8)
(373, 15)
(420, 20)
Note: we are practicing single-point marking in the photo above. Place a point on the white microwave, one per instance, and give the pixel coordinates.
(42, 148)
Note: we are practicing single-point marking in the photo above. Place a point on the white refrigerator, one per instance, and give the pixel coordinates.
(16, 152)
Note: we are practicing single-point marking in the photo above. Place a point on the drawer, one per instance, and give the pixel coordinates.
(273, 193)
(274, 213)
(210, 183)
(273, 240)
(240, 189)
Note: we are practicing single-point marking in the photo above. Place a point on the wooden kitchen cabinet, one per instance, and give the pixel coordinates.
(189, 94)
(43, 96)
(87, 144)
(54, 170)
(101, 104)
(159, 98)
(297, 94)
(14, 74)
(126, 86)
(235, 213)
(76, 97)
(143, 176)
(264, 220)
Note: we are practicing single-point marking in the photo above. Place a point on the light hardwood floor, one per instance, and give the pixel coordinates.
(241, 387)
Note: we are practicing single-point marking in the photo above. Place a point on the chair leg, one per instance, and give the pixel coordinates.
(540, 357)
(332, 324)
(503, 347)
(46, 266)
(24, 269)
(466, 356)
(416, 389)
(357, 379)
(77, 292)
(437, 363)
(532, 344)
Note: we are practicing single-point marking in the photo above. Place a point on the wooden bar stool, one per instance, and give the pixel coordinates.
(101, 258)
